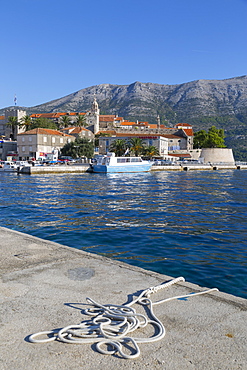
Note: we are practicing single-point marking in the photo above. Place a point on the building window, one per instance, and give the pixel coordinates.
(23, 149)
(45, 139)
(30, 138)
(53, 139)
(30, 149)
(23, 139)
(61, 140)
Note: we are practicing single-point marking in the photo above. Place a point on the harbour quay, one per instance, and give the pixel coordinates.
(82, 168)
(46, 169)
(44, 287)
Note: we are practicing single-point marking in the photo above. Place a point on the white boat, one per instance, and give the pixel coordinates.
(8, 166)
(111, 164)
(23, 164)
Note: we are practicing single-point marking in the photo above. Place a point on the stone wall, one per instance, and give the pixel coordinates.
(217, 155)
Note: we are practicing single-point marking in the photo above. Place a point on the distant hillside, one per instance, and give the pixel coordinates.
(201, 103)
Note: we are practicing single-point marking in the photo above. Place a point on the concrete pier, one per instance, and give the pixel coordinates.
(81, 168)
(74, 168)
(44, 286)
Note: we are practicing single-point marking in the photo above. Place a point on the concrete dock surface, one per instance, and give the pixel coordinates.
(44, 286)
(82, 168)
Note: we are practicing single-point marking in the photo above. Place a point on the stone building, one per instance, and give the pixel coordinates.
(5, 129)
(41, 143)
(8, 148)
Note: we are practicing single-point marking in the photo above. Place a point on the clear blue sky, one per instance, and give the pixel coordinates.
(52, 48)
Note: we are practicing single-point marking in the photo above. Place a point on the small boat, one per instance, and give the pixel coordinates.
(111, 164)
(21, 164)
(8, 166)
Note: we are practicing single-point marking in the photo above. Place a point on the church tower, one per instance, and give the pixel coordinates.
(93, 116)
(158, 121)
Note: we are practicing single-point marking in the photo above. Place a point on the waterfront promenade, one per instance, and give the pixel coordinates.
(44, 286)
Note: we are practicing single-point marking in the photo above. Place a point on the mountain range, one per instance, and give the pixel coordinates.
(202, 103)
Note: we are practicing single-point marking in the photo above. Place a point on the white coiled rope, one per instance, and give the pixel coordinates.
(111, 325)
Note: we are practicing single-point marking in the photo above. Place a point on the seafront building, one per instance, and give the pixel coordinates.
(40, 143)
(172, 143)
(159, 141)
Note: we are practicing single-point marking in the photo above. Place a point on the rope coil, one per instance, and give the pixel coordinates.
(111, 325)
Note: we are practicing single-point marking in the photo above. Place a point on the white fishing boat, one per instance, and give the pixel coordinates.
(111, 164)
(8, 166)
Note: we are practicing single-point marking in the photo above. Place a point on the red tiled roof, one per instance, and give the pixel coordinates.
(55, 115)
(76, 113)
(188, 131)
(152, 125)
(75, 129)
(183, 125)
(141, 123)
(106, 118)
(46, 115)
(43, 131)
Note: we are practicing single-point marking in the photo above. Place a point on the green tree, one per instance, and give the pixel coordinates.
(150, 151)
(214, 138)
(26, 122)
(65, 121)
(81, 147)
(119, 147)
(14, 124)
(80, 120)
(200, 139)
(43, 123)
(136, 146)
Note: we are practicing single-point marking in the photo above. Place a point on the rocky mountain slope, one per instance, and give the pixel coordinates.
(172, 102)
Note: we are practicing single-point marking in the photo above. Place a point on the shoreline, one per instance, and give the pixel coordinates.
(81, 168)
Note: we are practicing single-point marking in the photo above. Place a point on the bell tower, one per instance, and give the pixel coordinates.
(92, 117)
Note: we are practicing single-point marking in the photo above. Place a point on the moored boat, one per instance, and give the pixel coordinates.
(8, 166)
(111, 164)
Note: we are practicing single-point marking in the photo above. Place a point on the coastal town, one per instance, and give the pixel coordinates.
(172, 145)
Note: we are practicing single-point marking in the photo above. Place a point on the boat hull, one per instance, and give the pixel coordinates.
(121, 169)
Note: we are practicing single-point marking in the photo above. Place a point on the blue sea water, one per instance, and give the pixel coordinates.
(190, 224)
